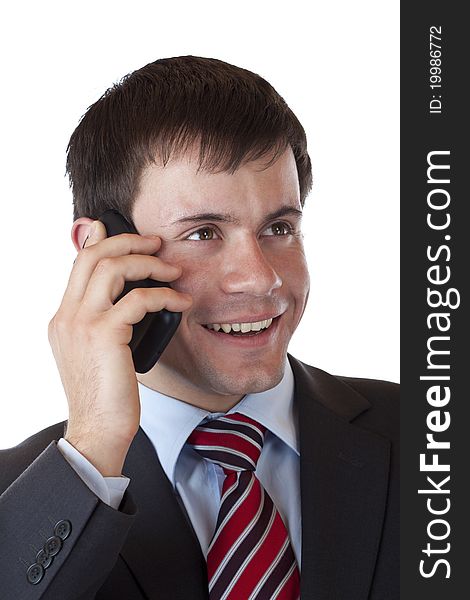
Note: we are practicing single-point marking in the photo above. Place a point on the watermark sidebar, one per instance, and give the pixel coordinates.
(435, 315)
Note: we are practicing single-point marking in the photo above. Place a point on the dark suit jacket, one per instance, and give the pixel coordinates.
(148, 550)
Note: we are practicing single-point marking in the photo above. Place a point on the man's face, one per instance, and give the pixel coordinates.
(237, 238)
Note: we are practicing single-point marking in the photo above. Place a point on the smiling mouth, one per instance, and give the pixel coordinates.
(242, 329)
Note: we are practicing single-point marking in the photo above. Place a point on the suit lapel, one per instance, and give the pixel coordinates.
(162, 549)
(344, 480)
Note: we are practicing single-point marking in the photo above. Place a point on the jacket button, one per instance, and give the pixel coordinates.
(53, 545)
(62, 529)
(43, 559)
(35, 573)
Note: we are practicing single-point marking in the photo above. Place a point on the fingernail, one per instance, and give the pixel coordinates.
(92, 229)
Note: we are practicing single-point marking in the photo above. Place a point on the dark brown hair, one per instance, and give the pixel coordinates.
(162, 109)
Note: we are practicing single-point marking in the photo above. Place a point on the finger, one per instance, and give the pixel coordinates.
(89, 257)
(110, 275)
(97, 233)
(133, 307)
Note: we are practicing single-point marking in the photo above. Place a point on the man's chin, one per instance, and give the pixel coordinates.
(257, 378)
(194, 375)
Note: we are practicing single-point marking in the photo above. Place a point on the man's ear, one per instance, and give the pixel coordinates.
(80, 231)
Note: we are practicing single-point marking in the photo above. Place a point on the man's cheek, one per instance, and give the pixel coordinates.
(194, 280)
(294, 272)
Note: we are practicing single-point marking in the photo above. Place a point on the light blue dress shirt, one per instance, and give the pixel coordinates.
(168, 422)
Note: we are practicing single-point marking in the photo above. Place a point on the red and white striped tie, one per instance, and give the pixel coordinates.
(250, 556)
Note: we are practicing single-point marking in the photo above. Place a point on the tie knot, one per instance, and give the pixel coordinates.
(234, 442)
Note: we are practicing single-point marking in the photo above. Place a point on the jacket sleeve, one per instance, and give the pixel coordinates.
(57, 538)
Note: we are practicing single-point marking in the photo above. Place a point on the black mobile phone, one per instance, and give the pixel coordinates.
(152, 334)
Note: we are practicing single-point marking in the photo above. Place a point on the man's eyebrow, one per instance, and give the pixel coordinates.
(227, 218)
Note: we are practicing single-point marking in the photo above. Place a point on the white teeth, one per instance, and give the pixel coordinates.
(243, 327)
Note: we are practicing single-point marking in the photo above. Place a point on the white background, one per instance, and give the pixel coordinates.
(335, 63)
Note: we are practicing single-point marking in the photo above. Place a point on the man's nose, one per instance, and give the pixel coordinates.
(247, 269)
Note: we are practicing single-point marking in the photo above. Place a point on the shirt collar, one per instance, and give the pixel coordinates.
(168, 422)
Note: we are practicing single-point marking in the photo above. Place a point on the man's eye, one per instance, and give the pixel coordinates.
(203, 234)
(279, 229)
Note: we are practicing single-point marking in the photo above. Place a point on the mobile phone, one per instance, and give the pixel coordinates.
(152, 334)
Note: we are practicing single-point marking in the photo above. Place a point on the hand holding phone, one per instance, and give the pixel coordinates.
(152, 334)
(90, 335)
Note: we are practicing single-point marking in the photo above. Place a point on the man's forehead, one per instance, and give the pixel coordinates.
(181, 192)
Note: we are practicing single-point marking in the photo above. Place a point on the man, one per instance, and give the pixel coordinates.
(230, 469)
